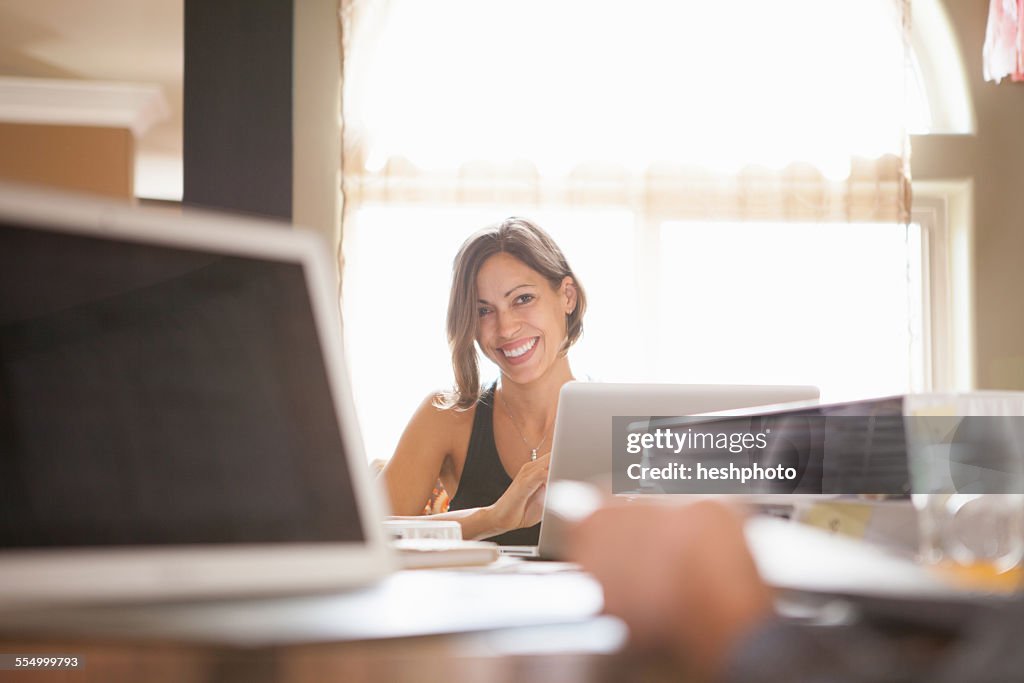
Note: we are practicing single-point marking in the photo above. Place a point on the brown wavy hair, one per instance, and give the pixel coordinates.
(525, 241)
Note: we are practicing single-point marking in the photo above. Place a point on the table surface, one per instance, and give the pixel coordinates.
(538, 627)
(515, 626)
(586, 651)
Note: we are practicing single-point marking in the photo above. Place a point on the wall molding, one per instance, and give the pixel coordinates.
(135, 106)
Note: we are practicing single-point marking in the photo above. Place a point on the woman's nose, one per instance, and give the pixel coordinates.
(508, 323)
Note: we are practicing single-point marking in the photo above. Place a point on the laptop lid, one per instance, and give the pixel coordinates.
(582, 445)
(175, 416)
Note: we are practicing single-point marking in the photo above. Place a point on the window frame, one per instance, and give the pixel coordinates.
(943, 211)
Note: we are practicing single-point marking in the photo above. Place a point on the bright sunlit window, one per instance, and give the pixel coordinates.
(559, 111)
(838, 306)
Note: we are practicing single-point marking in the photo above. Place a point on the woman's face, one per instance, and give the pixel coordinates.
(521, 319)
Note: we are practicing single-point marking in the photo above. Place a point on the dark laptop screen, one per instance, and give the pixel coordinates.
(154, 395)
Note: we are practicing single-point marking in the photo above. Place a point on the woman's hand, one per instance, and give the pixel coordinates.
(523, 501)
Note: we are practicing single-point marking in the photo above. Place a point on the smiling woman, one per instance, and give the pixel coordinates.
(515, 298)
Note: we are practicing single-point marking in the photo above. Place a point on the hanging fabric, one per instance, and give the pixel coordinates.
(1002, 54)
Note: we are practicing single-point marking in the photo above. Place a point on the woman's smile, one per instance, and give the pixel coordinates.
(519, 351)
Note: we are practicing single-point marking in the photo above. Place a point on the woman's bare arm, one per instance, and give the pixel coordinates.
(429, 438)
(427, 441)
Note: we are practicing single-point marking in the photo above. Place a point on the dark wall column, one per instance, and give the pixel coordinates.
(238, 105)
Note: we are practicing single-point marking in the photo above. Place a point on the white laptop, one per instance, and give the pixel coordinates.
(175, 418)
(582, 445)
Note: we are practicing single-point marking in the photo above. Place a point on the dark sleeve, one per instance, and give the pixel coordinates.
(779, 650)
(988, 650)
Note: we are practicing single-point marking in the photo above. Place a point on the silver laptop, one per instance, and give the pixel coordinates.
(175, 418)
(582, 446)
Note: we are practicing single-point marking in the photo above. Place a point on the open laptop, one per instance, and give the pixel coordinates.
(582, 445)
(175, 418)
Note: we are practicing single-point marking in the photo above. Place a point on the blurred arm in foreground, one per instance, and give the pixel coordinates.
(683, 579)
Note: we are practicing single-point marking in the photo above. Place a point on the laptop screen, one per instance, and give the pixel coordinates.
(153, 395)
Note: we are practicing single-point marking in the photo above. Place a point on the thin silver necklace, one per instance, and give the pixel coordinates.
(508, 411)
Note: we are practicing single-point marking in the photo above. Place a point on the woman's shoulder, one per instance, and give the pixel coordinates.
(433, 433)
(435, 415)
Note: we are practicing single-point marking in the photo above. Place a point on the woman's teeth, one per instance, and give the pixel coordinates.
(519, 350)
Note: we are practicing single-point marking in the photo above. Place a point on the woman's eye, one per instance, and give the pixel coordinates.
(483, 311)
(524, 298)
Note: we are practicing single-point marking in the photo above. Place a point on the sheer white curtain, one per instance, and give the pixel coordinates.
(790, 108)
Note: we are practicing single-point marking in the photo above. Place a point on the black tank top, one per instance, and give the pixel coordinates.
(484, 478)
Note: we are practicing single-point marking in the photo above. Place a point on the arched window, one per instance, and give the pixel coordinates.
(728, 179)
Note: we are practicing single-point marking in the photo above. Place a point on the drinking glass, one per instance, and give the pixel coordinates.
(967, 482)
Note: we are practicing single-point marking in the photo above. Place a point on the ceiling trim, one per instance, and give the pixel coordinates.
(136, 106)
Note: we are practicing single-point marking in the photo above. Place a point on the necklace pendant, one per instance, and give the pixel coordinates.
(533, 454)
